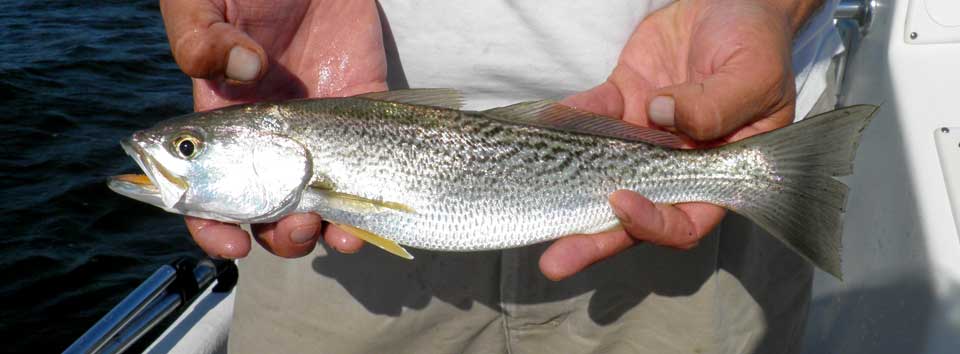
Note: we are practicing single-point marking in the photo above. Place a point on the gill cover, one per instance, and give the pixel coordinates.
(250, 182)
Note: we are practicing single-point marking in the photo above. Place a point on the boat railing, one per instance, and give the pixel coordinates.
(852, 19)
(170, 288)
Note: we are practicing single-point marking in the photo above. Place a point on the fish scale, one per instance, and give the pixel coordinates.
(542, 183)
(407, 168)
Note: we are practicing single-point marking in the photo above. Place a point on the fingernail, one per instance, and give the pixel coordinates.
(243, 64)
(661, 111)
(340, 245)
(303, 234)
(345, 251)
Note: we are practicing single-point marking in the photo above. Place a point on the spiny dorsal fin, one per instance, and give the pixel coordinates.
(550, 114)
(436, 97)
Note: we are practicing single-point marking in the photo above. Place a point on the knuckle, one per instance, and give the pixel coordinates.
(195, 55)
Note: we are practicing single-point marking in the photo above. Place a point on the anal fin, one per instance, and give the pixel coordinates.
(376, 240)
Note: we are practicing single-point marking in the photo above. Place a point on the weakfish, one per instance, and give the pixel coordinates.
(410, 168)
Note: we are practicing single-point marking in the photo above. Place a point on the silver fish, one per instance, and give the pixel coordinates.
(409, 168)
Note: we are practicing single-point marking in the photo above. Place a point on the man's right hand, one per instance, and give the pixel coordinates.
(247, 51)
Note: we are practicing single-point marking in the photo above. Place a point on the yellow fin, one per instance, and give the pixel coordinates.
(323, 184)
(358, 202)
(377, 240)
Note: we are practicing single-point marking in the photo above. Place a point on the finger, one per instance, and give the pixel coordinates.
(738, 94)
(778, 120)
(342, 241)
(680, 226)
(571, 254)
(604, 99)
(217, 239)
(206, 47)
(293, 236)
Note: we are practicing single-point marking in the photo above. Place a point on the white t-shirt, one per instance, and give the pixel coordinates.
(501, 51)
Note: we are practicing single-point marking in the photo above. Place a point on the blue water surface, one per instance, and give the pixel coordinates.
(75, 78)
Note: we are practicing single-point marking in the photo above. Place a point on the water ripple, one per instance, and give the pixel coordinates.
(75, 78)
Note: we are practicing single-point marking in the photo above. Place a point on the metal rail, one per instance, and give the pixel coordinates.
(853, 19)
(170, 288)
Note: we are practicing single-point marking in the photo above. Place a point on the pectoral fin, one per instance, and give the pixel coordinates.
(357, 203)
(377, 240)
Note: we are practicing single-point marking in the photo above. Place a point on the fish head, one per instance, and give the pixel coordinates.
(231, 170)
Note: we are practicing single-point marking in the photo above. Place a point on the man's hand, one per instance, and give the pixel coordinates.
(713, 72)
(246, 51)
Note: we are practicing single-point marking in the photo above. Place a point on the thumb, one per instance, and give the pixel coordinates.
(605, 100)
(723, 102)
(207, 47)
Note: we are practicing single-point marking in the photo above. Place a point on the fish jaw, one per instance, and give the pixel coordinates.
(141, 188)
(134, 187)
(158, 187)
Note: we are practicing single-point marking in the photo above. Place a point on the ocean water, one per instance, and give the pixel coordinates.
(75, 78)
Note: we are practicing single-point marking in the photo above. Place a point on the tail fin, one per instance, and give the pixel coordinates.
(803, 204)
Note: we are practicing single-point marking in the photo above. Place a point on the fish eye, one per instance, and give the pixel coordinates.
(187, 146)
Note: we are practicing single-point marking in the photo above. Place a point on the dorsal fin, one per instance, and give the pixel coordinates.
(436, 97)
(550, 114)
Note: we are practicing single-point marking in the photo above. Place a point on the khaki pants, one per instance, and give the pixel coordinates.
(739, 291)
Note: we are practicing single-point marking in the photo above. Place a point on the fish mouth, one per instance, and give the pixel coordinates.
(158, 186)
